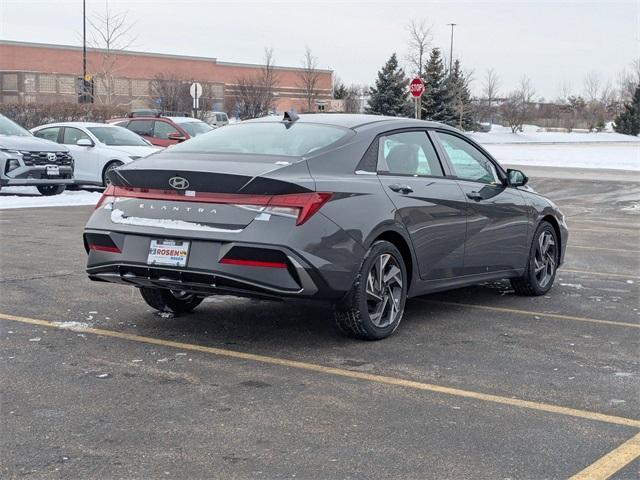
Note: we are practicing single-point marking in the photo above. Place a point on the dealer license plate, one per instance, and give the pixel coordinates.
(168, 252)
(53, 170)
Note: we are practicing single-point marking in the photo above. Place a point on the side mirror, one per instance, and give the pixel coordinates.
(517, 178)
(176, 136)
(84, 142)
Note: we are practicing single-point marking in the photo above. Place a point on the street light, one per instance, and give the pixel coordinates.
(451, 47)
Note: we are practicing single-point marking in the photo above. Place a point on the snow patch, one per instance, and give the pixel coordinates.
(72, 325)
(118, 216)
(633, 208)
(577, 286)
(29, 197)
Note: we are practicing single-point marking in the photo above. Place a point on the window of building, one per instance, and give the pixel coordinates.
(47, 84)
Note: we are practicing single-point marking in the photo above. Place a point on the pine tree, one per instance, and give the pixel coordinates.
(436, 100)
(389, 96)
(460, 98)
(628, 121)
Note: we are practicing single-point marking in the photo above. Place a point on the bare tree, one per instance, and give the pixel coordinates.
(352, 99)
(172, 92)
(420, 39)
(109, 32)
(628, 80)
(599, 102)
(490, 85)
(517, 109)
(309, 76)
(254, 95)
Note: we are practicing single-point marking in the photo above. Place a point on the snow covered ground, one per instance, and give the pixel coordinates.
(559, 149)
(21, 197)
(534, 134)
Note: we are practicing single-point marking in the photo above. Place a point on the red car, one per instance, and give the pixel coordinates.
(164, 131)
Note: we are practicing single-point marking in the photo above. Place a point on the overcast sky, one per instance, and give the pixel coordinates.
(553, 42)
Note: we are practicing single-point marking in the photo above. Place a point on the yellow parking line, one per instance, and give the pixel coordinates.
(340, 372)
(530, 313)
(612, 462)
(603, 274)
(587, 247)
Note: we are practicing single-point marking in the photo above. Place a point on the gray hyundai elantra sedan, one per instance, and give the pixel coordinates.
(360, 211)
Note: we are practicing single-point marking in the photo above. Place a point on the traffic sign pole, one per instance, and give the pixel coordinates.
(416, 89)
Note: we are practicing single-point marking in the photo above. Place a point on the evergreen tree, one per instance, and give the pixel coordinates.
(628, 121)
(460, 98)
(436, 101)
(389, 96)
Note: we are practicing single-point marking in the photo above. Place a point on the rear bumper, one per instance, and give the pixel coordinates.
(306, 277)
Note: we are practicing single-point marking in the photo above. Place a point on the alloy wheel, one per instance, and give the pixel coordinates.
(384, 290)
(544, 260)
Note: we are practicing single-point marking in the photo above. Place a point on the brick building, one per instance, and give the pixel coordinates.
(43, 73)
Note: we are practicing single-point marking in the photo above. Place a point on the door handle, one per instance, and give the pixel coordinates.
(474, 196)
(401, 188)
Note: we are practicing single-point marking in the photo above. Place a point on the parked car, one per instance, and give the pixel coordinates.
(361, 211)
(96, 147)
(216, 119)
(29, 161)
(164, 131)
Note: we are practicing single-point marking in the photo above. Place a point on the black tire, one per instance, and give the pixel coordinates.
(358, 315)
(170, 301)
(109, 166)
(542, 264)
(48, 190)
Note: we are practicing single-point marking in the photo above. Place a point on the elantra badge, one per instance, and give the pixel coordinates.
(179, 183)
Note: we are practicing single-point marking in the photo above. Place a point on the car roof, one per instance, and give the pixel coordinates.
(353, 120)
(183, 119)
(77, 124)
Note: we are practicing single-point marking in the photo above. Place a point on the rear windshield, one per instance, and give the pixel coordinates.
(195, 128)
(267, 138)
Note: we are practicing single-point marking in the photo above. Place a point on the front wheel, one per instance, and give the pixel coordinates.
(174, 301)
(374, 307)
(541, 268)
(111, 166)
(48, 190)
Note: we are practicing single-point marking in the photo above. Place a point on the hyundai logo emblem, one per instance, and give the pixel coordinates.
(51, 157)
(179, 183)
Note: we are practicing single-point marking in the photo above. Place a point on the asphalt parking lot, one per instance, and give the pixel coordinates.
(477, 382)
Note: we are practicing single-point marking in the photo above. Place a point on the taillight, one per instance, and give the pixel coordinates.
(305, 204)
(253, 263)
(108, 192)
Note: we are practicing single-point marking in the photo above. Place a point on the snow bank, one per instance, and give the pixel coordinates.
(534, 134)
(616, 156)
(24, 197)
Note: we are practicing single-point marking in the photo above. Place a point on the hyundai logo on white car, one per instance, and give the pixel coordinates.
(179, 183)
(51, 156)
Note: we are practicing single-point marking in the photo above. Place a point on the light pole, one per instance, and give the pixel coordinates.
(451, 47)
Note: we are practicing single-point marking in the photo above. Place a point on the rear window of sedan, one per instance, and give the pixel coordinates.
(266, 138)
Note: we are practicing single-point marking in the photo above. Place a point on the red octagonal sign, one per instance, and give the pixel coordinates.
(416, 87)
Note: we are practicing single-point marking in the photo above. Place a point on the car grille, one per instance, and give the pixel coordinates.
(42, 158)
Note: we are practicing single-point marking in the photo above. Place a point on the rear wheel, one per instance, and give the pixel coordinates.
(110, 166)
(48, 190)
(170, 300)
(543, 261)
(374, 307)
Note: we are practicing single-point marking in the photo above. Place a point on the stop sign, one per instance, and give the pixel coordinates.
(416, 87)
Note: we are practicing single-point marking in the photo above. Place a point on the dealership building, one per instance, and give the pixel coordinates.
(44, 73)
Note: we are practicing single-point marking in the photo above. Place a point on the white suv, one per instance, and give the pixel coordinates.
(27, 160)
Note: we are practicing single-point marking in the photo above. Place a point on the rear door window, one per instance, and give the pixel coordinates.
(141, 127)
(50, 133)
(408, 153)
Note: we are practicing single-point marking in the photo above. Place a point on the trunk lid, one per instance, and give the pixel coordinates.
(203, 192)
